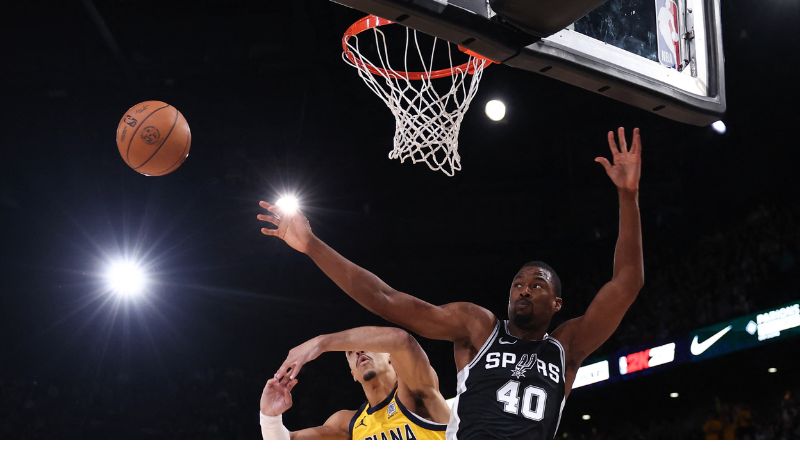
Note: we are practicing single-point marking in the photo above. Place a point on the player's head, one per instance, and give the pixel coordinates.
(367, 366)
(535, 295)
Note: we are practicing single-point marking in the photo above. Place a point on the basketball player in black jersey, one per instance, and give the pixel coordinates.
(513, 376)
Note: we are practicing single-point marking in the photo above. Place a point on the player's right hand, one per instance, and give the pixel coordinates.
(292, 228)
(298, 357)
(276, 398)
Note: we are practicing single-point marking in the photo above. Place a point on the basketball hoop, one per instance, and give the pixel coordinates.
(428, 119)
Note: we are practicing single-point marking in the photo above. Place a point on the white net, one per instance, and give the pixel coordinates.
(428, 104)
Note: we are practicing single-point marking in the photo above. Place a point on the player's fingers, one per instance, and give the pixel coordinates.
(623, 144)
(612, 143)
(637, 142)
(603, 162)
(287, 396)
(295, 370)
(291, 385)
(268, 232)
(284, 383)
(268, 206)
(265, 218)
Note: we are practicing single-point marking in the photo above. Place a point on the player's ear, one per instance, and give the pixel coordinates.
(559, 303)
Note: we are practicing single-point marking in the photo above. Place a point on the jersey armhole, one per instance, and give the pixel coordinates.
(486, 344)
(355, 416)
(418, 420)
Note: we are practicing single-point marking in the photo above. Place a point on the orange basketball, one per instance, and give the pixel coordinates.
(153, 138)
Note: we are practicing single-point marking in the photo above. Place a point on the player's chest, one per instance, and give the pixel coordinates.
(527, 364)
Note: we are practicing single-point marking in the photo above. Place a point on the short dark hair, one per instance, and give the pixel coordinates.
(545, 266)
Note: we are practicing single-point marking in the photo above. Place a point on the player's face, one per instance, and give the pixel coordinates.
(531, 300)
(365, 366)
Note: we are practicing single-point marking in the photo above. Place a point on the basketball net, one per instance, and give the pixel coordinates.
(428, 117)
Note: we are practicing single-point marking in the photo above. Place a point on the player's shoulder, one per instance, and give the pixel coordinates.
(342, 418)
(470, 309)
(565, 335)
(479, 323)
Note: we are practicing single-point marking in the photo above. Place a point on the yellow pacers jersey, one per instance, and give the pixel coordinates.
(391, 420)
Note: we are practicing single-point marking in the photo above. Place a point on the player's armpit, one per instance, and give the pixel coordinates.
(336, 427)
(583, 335)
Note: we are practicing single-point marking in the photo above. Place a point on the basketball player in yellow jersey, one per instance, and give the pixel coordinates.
(402, 389)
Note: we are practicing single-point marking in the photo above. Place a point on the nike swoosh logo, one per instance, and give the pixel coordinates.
(506, 342)
(698, 348)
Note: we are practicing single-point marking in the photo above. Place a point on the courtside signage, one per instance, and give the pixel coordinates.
(738, 334)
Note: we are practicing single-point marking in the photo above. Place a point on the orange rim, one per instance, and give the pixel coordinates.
(372, 21)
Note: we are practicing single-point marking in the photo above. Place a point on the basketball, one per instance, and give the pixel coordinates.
(153, 138)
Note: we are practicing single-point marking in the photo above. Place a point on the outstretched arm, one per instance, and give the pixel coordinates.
(276, 398)
(418, 380)
(585, 334)
(451, 322)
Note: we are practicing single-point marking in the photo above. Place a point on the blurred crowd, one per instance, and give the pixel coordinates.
(776, 420)
(748, 267)
(207, 404)
(759, 417)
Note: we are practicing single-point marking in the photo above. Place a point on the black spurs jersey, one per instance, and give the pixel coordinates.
(512, 389)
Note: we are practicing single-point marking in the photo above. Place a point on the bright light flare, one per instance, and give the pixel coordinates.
(495, 110)
(674, 395)
(586, 417)
(126, 278)
(772, 370)
(720, 127)
(288, 204)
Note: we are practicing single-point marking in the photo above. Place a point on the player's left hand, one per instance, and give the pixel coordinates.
(297, 358)
(627, 167)
(276, 398)
(293, 228)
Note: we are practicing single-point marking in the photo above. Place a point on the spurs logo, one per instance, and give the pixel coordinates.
(150, 135)
(525, 363)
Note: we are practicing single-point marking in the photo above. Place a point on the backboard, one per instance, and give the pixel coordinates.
(664, 56)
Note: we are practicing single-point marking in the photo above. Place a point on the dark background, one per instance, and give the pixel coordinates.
(272, 108)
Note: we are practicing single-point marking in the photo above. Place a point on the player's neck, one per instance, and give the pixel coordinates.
(528, 334)
(377, 389)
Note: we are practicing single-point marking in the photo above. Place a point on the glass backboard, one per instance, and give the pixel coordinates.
(664, 56)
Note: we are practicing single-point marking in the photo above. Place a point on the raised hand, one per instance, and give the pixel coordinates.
(297, 358)
(293, 228)
(627, 163)
(276, 398)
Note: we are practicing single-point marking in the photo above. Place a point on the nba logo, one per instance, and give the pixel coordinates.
(391, 410)
(669, 51)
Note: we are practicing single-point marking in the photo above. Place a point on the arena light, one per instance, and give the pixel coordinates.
(674, 395)
(288, 204)
(126, 278)
(772, 369)
(495, 110)
(719, 126)
(586, 417)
